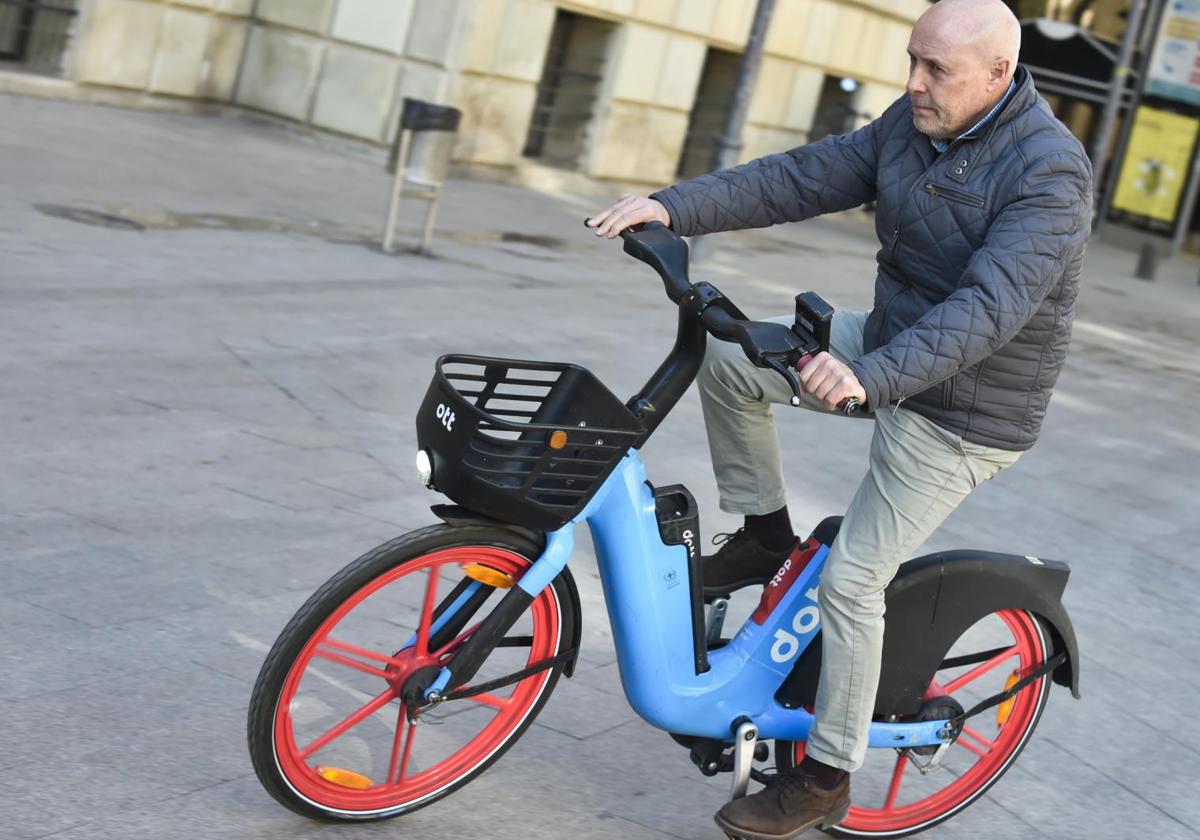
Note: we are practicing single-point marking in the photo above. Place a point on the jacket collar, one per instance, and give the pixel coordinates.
(1023, 96)
(973, 131)
(1020, 100)
(1020, 96)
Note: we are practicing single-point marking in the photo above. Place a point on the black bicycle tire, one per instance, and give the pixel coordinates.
(314, 611)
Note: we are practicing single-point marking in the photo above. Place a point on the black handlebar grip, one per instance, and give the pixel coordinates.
(663, 250)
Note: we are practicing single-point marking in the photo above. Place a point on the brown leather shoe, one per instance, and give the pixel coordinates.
(789, 805)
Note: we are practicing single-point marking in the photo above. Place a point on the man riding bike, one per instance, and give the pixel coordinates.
(983, 203)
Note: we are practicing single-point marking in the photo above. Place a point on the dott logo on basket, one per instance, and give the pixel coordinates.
(446, 416)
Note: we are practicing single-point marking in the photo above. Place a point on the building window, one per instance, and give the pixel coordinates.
(714, 95)
(570, 86)
(33, 35)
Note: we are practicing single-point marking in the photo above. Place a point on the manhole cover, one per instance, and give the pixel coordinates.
(85, 216)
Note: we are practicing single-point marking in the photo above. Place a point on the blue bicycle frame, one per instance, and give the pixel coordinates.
(650, 609)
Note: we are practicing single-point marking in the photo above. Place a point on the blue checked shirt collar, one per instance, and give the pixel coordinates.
(941, 145)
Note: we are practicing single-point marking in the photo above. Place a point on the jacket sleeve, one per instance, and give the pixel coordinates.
(1003, 285)
(836, 173)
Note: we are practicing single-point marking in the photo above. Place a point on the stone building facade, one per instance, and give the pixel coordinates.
(614, 89)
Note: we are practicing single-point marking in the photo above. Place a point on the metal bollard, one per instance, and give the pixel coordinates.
(1147, 264)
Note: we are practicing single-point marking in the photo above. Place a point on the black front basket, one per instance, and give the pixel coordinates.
(523, 442)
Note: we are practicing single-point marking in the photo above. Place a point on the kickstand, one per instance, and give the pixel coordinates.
(744, 741)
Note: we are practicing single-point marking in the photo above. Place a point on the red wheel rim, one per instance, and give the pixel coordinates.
(1027, 652)
(402, 787)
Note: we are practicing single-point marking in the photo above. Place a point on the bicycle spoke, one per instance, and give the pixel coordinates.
(350, 722)
(427, 613)
(490, 700)
(363, 652)
(408, 742)
(978, 738)
(967, 745)
(350, 663)
(897, 777)
(397, 743)
(457, 642)
(979, 670)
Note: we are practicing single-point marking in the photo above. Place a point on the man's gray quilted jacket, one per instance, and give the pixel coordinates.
(982, 249)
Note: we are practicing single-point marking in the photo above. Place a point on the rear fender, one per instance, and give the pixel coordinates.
(458, 517)
(931, 603)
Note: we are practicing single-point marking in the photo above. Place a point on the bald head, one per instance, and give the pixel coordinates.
(963, 54)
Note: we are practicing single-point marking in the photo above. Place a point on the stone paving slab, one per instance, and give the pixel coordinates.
(207, 418)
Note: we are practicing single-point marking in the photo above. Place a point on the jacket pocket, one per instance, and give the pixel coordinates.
(948, 393)
(951, 194)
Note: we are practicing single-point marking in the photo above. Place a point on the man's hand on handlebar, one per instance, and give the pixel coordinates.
(630, 210)
(830, 381)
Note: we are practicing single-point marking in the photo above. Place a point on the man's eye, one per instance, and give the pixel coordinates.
(937, 68)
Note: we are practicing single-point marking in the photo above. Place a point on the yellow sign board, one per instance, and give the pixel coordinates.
(1156, 164)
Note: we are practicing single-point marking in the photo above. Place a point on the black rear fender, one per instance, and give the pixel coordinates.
(932, 601)
(456, 516)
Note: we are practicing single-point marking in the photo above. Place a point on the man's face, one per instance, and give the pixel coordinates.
(950, 85)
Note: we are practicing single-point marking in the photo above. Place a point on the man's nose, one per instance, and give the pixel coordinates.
(916, 83)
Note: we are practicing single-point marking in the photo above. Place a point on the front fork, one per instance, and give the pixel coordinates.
(468, 659)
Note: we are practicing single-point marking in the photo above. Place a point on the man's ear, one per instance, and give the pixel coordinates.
(998, 72)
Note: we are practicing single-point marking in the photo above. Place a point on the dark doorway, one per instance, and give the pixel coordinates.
(714, 95)
(33, 35)
(567, 93)
(836, 112)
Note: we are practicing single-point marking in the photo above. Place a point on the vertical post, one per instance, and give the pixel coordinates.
(1116, 90)
(729, 142)
(1154, 22)
(389, 232)
(251, 17)
(430, 218)
(1183, 222)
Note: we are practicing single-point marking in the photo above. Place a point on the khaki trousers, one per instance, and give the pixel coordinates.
(918, 474)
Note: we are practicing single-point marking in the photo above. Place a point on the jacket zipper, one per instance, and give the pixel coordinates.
(904, 204)
(933, 190)
(948, 395)
(887, 307)
(952, 194)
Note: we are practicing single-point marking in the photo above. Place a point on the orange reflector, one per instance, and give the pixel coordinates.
(345, 778)
(1005, 708)
(488, 576)
(558, 439)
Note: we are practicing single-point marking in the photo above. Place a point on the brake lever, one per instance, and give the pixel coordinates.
(782, 370)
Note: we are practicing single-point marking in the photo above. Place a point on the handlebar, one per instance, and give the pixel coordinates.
(766, 344)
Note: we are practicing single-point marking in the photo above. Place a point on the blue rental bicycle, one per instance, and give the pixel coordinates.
(414, 668)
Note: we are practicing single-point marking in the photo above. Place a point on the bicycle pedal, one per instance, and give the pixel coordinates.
(713, 757)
